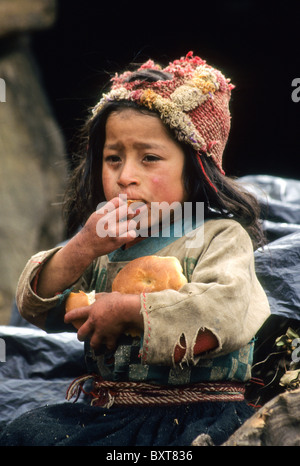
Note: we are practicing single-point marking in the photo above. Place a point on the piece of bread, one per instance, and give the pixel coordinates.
(148, 274)
(131, 201)
(142, 275)
(76, 300)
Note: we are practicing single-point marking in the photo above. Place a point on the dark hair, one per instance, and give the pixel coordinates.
(84, 191)
(229, 200)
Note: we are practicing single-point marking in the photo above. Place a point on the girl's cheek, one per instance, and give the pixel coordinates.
(155, 180)
(161, 187)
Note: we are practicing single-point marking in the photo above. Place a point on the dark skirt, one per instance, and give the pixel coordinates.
(84, 425)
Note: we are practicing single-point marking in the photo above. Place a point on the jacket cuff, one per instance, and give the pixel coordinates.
(28, 302)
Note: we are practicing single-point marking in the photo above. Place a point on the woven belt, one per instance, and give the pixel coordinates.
(106, 393)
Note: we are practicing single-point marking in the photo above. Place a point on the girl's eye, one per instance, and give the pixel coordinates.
(151, 158)
(112, 159)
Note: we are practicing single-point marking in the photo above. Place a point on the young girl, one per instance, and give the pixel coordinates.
(157, 135)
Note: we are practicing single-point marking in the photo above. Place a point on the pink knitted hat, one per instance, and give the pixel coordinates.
(194, 103)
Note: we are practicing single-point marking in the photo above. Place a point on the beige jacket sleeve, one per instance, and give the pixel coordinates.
(31, 306)
(223, 296)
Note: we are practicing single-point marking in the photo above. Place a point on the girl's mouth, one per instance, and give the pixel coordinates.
(139, 201)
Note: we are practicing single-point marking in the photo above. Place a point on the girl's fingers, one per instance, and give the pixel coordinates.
(129, 235)
(118, 221)
(119, 202)
(109, 206)
(84, 331)
(76, 314)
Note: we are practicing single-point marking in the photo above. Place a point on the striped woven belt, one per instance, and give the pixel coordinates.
(106, 393)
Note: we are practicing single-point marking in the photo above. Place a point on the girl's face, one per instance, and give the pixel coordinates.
(141, 160)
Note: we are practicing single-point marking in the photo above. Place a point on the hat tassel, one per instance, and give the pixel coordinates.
(204, 172)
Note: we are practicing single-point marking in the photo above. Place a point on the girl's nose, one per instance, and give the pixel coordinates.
(128, 175)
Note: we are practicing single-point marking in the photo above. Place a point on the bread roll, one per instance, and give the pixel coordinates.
(143, 275)
(131, 201)
(76, 300)
(148, 274)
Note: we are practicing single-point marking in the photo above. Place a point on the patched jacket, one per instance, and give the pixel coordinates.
(222, 295)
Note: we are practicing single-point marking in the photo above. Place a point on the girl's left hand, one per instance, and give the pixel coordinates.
(107, 318)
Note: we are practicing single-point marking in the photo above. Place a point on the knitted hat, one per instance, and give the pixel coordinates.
(193, 103)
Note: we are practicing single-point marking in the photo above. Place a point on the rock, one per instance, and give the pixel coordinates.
(25, 15)
(32, 152)
(277, 423)
(203, 440)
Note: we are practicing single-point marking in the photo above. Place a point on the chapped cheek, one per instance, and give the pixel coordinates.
(155, 180)
(160, 185)
(162, 188)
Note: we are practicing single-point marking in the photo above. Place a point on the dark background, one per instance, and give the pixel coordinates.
(256, 44)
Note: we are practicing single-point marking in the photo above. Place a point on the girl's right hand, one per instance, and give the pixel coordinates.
(109, 227)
